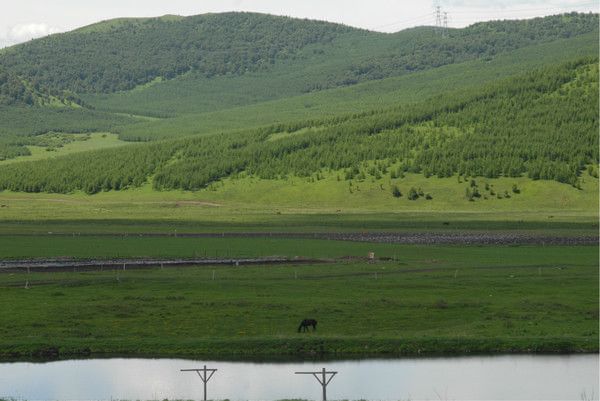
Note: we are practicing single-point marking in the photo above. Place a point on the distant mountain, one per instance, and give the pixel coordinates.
(118, 55)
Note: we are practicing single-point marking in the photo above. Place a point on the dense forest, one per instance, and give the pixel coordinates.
(542, 124)
(426, 48)
(16, 91)
(119, 55)
(13, 90)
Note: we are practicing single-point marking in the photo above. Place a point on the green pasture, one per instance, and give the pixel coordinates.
(303, 204)
(430, 300)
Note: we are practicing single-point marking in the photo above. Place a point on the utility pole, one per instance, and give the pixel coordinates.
(322, 377)
(204, 375)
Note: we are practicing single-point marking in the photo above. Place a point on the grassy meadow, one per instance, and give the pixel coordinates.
(242, 197)
(430, 300)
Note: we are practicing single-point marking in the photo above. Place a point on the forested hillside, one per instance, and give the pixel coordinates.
(543, 124)
(29, 110)
(13, 90)
(23, 126)
(422, 48)
(122, 54)
(496, 99)
(17, 91)
(183, 96)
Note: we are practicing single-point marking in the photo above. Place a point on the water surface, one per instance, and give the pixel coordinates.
(514, 377)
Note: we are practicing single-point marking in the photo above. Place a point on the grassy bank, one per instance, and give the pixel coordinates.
(433, 300)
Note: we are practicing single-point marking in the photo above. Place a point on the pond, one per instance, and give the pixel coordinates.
(510, 377)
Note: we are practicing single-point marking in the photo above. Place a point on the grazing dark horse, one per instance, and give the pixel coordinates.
(307, 322)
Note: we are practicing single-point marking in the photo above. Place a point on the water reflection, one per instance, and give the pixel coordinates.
(482, 378)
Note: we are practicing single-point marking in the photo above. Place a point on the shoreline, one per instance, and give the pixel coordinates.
(299, 350)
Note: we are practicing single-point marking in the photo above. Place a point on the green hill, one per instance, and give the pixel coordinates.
(309, 60)
(186, 94)
(122, 54)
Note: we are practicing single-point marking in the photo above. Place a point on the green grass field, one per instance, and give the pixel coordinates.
(431, 300)
(295, 204)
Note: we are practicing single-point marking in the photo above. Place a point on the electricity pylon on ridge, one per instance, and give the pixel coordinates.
(438, 18)
(445, 27)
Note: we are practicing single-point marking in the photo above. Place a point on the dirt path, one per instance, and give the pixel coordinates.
(465, 238)
(415, 238)
(56, 265)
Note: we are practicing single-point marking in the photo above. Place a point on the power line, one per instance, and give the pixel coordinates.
(513, 10)
(440, 18)
(427, 16)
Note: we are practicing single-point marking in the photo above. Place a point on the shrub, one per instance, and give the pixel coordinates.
(413, 194)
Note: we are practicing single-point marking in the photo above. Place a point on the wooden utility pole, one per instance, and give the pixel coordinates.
(322, 377)
(203, 373)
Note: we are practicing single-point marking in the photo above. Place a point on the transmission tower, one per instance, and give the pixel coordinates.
(445, 28)
(441, 21)
(438, 18)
